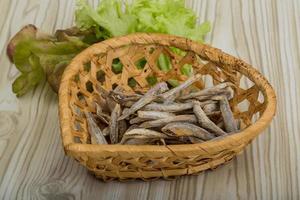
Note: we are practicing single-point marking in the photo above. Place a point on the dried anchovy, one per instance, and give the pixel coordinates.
(164, 121)
(110, 101)
(204, 121)
(137, 120)
(171, 95)
(154, 114)
(186, 129)
(216, 90)
(149, 115)
(120, 97)
(122, 129)
(96, 134)
(102, 116)
(113, 125)
(111, 104)
(173, 107)
(141, 133)
(229, 121)
(147, 98)
(226, 92)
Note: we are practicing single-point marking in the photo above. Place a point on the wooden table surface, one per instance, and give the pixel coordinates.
(265, 33)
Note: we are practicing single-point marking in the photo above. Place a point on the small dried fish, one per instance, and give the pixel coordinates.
(137, 120)
(110, 101)
(212, 91)
(229, 121)
(146, 99)
(141, 133)
(154, 114)
(122, 128)
(171, 95)
(102, 116)
(121, 97)
(113, 125)
(226, 92)
(111, 104)
(173, 107)
(164, 121)
(204, 121)
(125, 109)
(183, 114)
(95, 132)
(186, 129)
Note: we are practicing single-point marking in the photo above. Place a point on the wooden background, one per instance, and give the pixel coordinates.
(265, 33)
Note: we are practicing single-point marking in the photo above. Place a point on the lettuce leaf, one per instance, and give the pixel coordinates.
(38, 55)
(108, 15)
(162, 16)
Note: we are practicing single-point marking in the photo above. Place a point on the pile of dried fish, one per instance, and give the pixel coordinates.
(179, 115)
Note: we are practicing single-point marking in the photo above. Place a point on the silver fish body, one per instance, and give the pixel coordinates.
(96, 134)
(186, 129)
(172, 107)
(172, 94)
(154, 114)
(146, 99)
(229, 121)
(204, 121)
(207, 92)
(164, 121)
(141, 133)
(113, 125)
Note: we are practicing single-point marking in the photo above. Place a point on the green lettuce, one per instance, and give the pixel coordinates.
(38, 55)
(108, 15)
(154, 16)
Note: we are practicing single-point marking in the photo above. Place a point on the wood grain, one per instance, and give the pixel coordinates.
(264, 33)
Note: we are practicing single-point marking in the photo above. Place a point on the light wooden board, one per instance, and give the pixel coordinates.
(265, 33)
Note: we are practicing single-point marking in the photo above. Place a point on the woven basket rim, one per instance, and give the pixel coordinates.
(244, 136)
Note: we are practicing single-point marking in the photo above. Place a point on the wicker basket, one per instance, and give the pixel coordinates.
(77, 92)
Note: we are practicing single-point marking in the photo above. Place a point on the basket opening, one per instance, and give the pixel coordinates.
(147, 65)
(100, 76)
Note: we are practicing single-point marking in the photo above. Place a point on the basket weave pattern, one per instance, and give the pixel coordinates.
(93, 67)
